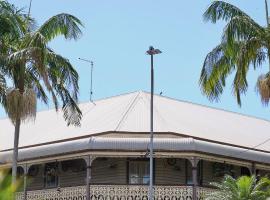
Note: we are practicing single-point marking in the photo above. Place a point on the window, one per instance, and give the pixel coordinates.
(139, 172)
(77, 165)
(222, 169)
(245, 171)
(51, 176)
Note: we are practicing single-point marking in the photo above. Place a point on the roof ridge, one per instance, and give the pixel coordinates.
(210, 107)
(133, 102)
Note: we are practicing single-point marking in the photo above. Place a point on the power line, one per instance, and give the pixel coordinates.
(252, 148)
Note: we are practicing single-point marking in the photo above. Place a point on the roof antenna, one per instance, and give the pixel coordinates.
(160, 93)
(91, 80)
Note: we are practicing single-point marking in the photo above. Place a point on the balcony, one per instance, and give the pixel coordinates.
(116, 192)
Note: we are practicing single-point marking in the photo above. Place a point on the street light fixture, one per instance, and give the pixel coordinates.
(91, 86)
(152, 51)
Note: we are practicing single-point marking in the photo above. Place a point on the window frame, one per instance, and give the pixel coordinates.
(56, 166)
(145, 160)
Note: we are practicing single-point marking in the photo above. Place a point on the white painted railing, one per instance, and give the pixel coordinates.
(116, 192)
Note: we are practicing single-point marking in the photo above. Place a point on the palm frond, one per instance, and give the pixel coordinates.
(220, 10)
(32, 79)
(240, 84)
(11, 20)
(71, 112)
(62, 72)
(243, 60)
(64, 80)
(263, 184)
(242, 28)
(226, 190)
(216, 67)
(61, 24)
(29, 54)
(243, 187)
(3, 87)
(35, 39)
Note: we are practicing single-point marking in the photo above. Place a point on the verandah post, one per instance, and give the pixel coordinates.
(88, 160)
(25, 171)
(194, 164)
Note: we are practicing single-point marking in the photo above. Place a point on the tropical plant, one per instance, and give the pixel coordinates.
(244, 43)
(36, 71)
(12, 27)
(7, 189)
(243, 188)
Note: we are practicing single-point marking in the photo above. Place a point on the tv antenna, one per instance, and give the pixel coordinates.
(91, 80)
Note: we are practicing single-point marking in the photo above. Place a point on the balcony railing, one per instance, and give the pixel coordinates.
(116, 192)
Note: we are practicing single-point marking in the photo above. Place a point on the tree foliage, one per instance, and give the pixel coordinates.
(243, 188)
(7, 189)
(35, 70)
(244, 43)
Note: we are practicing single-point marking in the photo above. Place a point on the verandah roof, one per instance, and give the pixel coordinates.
(136, 144)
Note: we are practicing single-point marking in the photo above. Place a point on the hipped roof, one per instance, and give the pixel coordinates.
(131, 113)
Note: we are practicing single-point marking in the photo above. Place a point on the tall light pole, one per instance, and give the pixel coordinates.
(152, 51)
(91, 83)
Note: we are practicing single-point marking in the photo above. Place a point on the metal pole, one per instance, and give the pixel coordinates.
(151, 131)
(91, 87)
(266, 12)
(91, 81)
(267, 21)
(88, 177)
(28, 16)
(152, 52)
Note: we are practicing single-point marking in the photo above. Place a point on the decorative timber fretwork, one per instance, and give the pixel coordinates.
(117, 192)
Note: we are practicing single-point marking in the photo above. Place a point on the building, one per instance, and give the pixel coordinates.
(194, 145)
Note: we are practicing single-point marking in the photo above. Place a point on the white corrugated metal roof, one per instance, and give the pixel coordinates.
(130, 113)
(135, 144)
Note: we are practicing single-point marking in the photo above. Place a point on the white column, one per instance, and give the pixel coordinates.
(252, 169)
(194, 164)
(25, 171)
(88, 160)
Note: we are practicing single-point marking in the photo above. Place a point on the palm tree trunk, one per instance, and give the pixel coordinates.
(15, 150)
(18, 121)
(17, 125)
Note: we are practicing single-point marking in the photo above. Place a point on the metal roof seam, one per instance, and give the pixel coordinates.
(156, 111)
(127, 112)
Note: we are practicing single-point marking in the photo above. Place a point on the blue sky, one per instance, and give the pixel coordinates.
(117, 33)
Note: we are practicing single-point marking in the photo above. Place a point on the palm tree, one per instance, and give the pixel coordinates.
(243, 188)
(12, 28)
(244, 43)
(36, 71)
